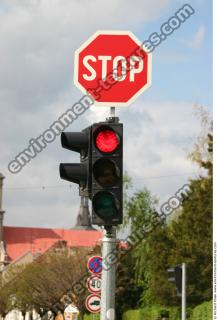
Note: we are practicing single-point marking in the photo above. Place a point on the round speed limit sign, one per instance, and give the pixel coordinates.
(94, 284)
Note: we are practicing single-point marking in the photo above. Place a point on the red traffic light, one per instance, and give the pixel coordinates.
(107, 140)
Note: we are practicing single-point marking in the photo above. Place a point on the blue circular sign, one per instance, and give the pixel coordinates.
(95, 264)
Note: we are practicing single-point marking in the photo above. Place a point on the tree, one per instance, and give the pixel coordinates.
(43, 284)
(128, 292)
(140, 210)
(141, 215)
(188, 238)
(3, 303)
(192, 232)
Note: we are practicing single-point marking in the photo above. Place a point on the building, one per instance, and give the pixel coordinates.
(18, 241)
(22, 245)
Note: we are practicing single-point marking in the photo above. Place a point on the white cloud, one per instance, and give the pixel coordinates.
(198, 38)
(157, 140)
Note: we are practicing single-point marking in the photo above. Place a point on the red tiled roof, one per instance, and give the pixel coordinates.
(20, 240)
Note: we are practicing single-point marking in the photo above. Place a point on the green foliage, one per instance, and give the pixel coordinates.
(140, 209)
(151, 255)
(141, 215)
(91, 317)
(188, 239)
(191, 234)
(127, 296)
(127, 182)
(132, 314)
(152, 313)
(202, 312)
(202, 152)
(155, 264)
(192, 237)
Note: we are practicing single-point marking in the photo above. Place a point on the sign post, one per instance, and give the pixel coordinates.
(183, 291)
(108, 275)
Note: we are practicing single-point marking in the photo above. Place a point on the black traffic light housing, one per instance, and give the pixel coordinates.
(77, 172)
(100, 171)
(107, 173)
(175, 276)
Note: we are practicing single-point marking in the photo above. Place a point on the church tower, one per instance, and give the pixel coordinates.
(3, 254)
(83, 219)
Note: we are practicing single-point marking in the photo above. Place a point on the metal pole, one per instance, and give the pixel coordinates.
(108, 274)
(112, 112)
(183, 291)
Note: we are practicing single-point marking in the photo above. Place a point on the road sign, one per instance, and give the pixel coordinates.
(113, 67)
(92, 303)
(94, 284)
(95, 264)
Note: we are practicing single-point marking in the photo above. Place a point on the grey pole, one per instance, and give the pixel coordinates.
(112, 112)
(1, 211)
(108, 274)
(183, 291)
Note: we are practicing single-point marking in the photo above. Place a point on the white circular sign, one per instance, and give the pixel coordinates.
(94, 284)
(71, 309)
(93, 302)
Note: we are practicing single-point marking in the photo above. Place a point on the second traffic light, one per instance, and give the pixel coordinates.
(107, 173)
(175, 276)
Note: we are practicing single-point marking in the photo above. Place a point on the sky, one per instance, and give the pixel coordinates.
(37, 43)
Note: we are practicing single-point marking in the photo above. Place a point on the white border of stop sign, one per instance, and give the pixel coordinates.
(93, 73)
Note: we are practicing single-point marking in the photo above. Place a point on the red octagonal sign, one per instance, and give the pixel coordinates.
(113, 67)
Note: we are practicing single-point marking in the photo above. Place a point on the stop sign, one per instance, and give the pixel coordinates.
(113, 67)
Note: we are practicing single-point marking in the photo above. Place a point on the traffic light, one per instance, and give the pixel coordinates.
(100, 171)
(77, 172)
(107, 173)
(176, 278)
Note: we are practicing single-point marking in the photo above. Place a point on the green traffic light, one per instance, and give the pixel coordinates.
(105, 205)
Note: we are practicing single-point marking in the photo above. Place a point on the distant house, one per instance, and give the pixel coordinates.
(19, 241)
(23, 245)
